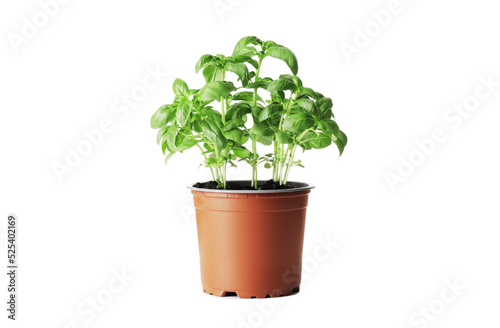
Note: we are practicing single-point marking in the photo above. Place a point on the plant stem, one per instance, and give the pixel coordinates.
(223, 111)
(275, 162)
(289, 164)
(253, 137)
(254, 166)
(226, 151)
(220, 176)
(283, 160)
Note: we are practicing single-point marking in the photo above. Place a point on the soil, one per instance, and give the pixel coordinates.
(268, 185)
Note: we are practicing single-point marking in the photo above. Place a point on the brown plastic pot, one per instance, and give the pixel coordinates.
(251, 240)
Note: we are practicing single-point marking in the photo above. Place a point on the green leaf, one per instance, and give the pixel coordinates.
(186, 144)
(213, 133)
(241, 152)
(264, 140)
(170, 137)
(241, 47)
(234, 134)
(341, 142)
(278, 97)
(284, 138)
(298, 122)
(163, 116)
(215, 90)
(269, 44)
(168, 157)
(241, 70)
(161, 134)
(308, 105)
(311, 93)
(269, 111)
(295, 79)
(329, 127)
(233, 124)
(286, 55)
(183, 112)
(246, 96)
(164, 146)
(262, 129)
(257, 84)
(324, 104)
(325, 107)
(267, 165)
(243, 59)
(238, 111)
(321, 141)
(212, 73)
(180, 88)
(210, 161)
(281, 85)
(203, 61)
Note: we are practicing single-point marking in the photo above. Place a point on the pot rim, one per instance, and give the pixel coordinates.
(297, 186)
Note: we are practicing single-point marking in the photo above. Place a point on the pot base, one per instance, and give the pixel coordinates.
(252, 294)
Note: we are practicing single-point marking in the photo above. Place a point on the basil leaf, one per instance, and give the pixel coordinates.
(321, 141)
(161, 134)
(180, 88)
(212, 73)
(202, 62)
(234, 134)
(241, 70)
(246, 96)
(243, 59)
(298, 122)
(238, 111)
(215, 90)
(341, 142)
(168, 157)
(270, 111)
(308, 105)
(163, 116)
(283, 137)
(311, 93)
(212, 132)
(262, 129)
(281, 85)
(241, 47)
(186, 144)
(286, 55)
(241, 152)
(329, 127)
(183, 112)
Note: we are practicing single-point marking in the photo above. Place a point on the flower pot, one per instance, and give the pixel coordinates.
(251, 240)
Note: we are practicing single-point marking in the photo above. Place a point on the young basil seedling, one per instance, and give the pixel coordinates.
(294, 116)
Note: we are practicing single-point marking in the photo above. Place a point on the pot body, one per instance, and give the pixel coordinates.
(250, 243)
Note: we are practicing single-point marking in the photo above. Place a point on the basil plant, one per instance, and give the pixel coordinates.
(226, 120)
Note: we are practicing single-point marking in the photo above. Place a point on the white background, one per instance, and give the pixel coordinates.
(122, 209)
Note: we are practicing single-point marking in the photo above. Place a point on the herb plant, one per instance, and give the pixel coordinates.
(293, 115)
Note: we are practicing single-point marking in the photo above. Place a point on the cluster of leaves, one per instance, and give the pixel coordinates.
(294, 116)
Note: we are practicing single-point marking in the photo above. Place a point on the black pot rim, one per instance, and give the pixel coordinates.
(297, 186)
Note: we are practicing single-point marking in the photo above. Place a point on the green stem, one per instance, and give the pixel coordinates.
(226, 151)
(218, 169)
(275, 162)
(283, 160)
(254, 139)
(289, 164)
(289, 107)
(254, 164)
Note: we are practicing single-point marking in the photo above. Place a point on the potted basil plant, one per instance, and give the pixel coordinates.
(250, 232)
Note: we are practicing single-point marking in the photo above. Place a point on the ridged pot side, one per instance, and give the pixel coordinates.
(251, 243)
